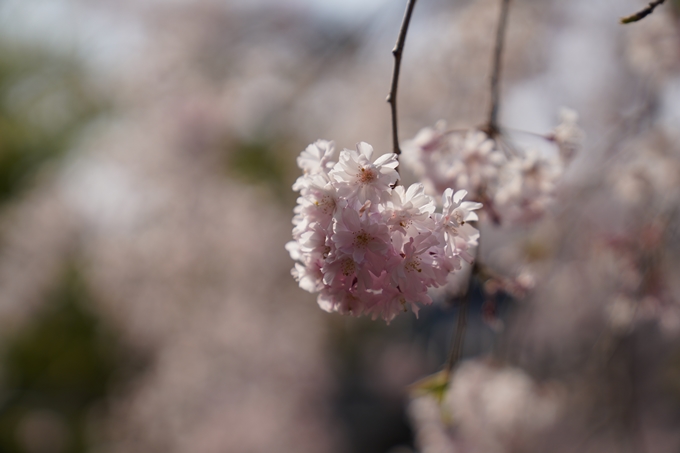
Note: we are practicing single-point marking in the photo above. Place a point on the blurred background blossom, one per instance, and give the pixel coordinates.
(147, 150)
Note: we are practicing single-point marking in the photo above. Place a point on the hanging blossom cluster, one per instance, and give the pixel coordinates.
(513, 184)
(367, 245)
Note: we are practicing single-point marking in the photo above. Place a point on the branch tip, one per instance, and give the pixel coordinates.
(646, 11)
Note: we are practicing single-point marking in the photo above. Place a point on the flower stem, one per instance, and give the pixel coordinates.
(397, 52)
(492, 128)
(459, 338)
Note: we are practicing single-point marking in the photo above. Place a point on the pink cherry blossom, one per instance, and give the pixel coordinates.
(366, 246)
(359, 177)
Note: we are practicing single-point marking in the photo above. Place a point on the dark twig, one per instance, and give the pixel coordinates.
(492, 125)
(457, 343)
(456, 350)
(397, 51)
(649, 9)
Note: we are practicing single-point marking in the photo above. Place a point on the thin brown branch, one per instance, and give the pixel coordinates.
(459, 337)
(458, 340)
(649, 9)
(492, 125)
(397, 52)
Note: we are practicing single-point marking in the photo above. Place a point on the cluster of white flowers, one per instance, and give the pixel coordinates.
(568, 136)
(367, 245)
(513, 184)
(487, 408)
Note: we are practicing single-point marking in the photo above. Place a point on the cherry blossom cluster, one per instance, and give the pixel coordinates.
(367, 245)
(514, 184)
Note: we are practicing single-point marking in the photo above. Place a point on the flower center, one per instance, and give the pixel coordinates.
(459, 216)
(362, 239)
(413, 265)
(348, 267)
(366, 175)
(326, 204)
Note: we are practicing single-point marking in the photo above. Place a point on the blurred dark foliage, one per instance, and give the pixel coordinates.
(55, 373)
(265, 162)
(44, 103)
(375, 420)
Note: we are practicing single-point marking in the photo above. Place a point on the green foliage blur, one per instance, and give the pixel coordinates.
(265, 162)
(44, 103)
(54, 371)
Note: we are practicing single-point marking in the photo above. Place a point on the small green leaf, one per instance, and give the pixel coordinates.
(434, 385)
